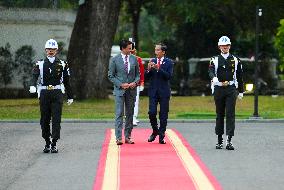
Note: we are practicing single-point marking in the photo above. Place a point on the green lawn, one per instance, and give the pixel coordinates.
(195, 107)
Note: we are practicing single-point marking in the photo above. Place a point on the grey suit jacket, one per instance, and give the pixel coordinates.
(117, 74)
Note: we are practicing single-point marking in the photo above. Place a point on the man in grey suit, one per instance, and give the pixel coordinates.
(124, 74)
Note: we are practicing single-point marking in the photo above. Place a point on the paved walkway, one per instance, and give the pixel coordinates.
(255, 164)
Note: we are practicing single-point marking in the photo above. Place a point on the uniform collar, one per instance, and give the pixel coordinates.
(51, 59)
(226, 55)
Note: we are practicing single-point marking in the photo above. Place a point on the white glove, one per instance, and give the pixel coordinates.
(215, 80)
(141, 88)
(32, 89)
(69, 102)
(240, 96)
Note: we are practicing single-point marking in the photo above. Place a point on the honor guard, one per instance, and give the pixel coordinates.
(225, 71)
(53, 76)
(140, 85)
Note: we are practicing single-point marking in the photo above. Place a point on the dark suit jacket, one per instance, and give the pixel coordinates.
(160, 80)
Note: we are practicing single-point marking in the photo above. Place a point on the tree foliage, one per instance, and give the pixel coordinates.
(279, 43)
(134, 8)
(192, 27)
(24, 61)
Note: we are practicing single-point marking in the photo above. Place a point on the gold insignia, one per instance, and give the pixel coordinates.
(225, 83)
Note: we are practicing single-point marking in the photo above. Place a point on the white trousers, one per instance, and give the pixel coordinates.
(136, 106)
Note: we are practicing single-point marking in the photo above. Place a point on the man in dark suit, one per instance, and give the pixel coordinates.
(159, 73)
(124, 74)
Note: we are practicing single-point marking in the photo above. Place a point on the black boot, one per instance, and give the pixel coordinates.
(53, 146)
(219, 144)
(47, 146)
(161, 138)
(229, 145)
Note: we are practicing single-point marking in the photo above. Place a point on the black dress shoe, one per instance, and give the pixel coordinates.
(230, 146)
(129, 141)
(46, 148)
(152, 137)
(162, 141)
(119, 142)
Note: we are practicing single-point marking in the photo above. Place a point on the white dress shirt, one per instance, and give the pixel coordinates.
(123, 58)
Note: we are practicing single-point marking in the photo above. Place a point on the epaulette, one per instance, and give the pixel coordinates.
(63, 63)
(212, 59)
(40, 62)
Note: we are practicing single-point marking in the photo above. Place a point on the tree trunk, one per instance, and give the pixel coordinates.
(134, 7)
(135, 22)
(90, 47)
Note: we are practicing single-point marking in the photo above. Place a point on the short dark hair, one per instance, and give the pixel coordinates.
(163, 47)
(124, 43)
(133, 45)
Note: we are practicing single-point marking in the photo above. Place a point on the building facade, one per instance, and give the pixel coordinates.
(33, 27)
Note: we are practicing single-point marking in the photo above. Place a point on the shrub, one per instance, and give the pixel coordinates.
(6, 65)
(24, 61)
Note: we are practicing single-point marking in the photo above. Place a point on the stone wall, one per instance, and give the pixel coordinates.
(33, 27)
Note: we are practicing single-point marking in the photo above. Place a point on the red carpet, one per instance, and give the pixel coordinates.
(147, 166)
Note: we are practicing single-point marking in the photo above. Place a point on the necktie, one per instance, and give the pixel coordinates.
(159, 62)
(126, 64)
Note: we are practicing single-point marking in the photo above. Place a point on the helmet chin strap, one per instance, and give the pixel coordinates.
(224, 52)
(53, 55)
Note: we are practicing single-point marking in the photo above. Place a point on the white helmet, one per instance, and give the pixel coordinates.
(51, 43)
(224, 40)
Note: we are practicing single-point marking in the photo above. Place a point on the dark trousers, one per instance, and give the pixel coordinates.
(51, 102)
(163, 114)
(225, 101)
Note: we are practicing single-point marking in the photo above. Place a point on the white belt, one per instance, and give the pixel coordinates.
(226, 83)
(50, 87)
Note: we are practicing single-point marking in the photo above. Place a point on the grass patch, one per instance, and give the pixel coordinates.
(193, 107)
(196, 115)
(206, 115)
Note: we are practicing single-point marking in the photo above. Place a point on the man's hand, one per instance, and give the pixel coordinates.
(156, 66)
(132, 85)
(69, 102)
(124, 86)
(32, 89)
(240, 96)
(141, 88)
(151, 65)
